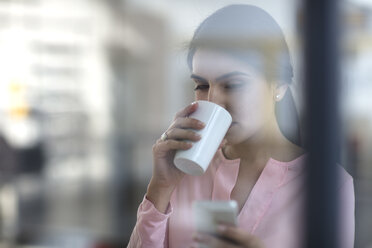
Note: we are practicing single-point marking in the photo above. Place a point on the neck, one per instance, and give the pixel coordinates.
(269, 142)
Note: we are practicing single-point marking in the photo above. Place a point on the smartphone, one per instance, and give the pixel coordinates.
(208, 214)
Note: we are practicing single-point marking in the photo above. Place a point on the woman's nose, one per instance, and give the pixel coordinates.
(215, 96)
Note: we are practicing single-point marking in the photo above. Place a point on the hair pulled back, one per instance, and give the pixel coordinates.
(251, 35)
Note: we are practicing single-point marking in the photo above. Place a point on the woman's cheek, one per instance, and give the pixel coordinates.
(250, 114)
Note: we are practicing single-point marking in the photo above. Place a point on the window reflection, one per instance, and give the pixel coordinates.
(87, 87)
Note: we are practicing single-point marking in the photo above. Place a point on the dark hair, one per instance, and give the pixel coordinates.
(250, 34)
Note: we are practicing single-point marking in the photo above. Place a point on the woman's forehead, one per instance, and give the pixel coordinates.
(212, 64)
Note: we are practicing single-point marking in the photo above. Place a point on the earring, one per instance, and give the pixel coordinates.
(277, 97)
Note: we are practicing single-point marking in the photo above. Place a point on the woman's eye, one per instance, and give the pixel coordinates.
(234, 85)
(201, 87)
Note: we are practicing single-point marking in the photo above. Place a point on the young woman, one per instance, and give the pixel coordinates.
(238, 59)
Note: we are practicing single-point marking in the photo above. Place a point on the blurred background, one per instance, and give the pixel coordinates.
(86, 88)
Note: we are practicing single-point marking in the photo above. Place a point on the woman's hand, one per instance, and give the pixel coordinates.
(166, 176)
(229, 237)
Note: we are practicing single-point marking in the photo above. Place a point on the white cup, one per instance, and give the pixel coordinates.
(195, 161)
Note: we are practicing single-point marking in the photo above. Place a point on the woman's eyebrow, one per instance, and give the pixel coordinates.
(231, 74)
(220, 78)
(193, 76)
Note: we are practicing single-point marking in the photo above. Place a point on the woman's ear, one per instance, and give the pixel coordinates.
(280, 91)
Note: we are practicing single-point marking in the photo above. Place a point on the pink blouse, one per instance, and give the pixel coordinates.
(273, 211)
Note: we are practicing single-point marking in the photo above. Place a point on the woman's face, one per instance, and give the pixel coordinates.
(235, 86)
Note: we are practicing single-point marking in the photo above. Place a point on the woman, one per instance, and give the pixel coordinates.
(238, 59)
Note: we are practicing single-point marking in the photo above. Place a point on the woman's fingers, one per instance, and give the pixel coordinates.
(239, 236)
(229, 237)
(211, 241)
(187, 122)
(177, 139)
(171, 144)
(234, 233)
(187, 110)
(178, 135)
(183, 134)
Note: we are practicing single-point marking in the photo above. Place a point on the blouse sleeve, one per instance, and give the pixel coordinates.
(347, 211)
(151, 230)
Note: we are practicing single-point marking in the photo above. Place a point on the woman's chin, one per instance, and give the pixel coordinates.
(231, 137)
(232, 130)
(235, 135)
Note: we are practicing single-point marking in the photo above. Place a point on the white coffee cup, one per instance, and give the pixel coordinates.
(195, 161)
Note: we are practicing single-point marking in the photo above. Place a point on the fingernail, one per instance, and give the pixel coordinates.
(202, 124)
(193, 103)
